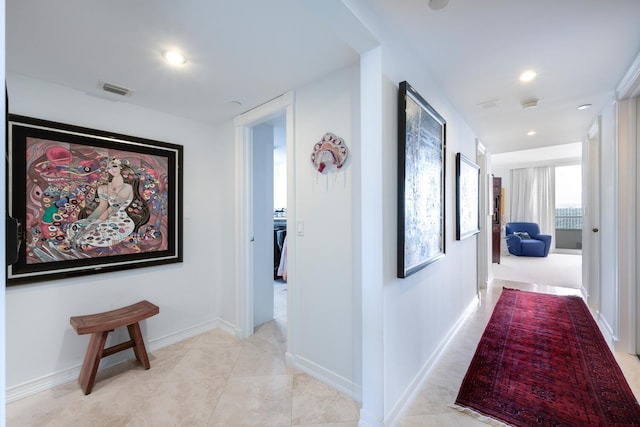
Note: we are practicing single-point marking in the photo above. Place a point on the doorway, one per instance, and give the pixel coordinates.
(258, 132)
(269, 220)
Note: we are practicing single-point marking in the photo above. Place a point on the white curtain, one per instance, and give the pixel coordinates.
(533, 197)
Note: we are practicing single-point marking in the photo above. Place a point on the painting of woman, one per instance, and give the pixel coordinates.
(119, 213)
(89, 200)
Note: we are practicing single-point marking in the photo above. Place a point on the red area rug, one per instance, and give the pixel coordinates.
(542, 361)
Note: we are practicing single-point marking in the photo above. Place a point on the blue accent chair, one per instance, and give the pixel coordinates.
(524, 239)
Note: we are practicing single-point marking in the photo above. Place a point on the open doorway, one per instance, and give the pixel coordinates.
(280, 223)
(264, 139)
(553, 176)
(269, 163)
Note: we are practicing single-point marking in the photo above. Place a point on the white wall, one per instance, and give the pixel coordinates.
(421, 310)
(325, 340)
(413, 317)
(42, 348)
(196, 294)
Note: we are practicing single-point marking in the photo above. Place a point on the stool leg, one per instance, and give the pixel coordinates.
(92, 360)
(138, 348)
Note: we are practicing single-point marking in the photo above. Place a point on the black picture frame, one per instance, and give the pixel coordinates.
(421, 182)
(90, 201)
(467, 197)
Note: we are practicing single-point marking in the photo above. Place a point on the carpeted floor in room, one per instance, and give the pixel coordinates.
(216, 380)
(555, 269)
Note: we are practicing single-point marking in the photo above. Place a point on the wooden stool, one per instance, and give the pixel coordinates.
(99, 325)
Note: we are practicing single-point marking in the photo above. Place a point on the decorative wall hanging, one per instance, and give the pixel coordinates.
(331, 150)
(421, 179)
(467, 197)
(90, 201)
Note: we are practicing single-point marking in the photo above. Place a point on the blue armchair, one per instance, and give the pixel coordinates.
(524, 239)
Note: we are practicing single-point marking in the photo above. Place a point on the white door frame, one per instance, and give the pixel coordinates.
(628, 92)
(634, 303)
(484, 241)
(590, 204)
(244, 256)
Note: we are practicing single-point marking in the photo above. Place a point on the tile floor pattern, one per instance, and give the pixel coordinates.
(216, 380)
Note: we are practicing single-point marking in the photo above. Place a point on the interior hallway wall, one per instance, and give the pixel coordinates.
(324, 314)
(42, 348)
(421, 311)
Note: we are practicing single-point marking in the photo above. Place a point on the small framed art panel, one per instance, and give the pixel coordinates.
(421, 180)
(467, 197)
(90, 201)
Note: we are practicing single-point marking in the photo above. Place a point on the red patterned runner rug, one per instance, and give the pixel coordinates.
(542, 361)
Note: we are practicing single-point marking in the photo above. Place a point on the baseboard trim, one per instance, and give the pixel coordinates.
(63, 376)
(325, 376)
(607, 331)
(412, 390)
(41, 384)
(368, 420)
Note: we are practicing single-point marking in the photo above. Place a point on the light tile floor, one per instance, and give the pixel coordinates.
(216, 380)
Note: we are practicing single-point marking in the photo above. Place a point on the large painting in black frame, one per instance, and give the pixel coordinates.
(421, 182)
(90, 201)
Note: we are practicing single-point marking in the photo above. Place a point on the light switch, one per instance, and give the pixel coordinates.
(300, 228)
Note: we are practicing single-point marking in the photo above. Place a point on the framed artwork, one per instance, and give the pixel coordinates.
(88, 201)
(467, 197)
(421, 179)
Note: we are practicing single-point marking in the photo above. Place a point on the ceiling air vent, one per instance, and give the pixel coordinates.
(118, 90)
(492, 103)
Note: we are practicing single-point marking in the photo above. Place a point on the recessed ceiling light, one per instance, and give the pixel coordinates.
(531, 133)
(174, 57)
(584, 106)
(527, 76)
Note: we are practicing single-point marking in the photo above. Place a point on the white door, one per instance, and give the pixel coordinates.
(262, 223)
(591, 226)
(608, 286)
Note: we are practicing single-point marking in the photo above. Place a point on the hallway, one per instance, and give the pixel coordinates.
(216, 380)
(430, 406)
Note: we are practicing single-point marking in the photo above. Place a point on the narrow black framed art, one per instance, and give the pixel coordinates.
(467, 197)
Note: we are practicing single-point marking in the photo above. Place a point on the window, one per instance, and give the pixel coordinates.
(569, 207)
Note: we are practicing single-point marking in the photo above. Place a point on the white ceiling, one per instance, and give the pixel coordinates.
(254, 50)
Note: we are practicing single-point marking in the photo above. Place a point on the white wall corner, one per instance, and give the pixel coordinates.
(342, 20)
(630, 84)
(338, 382)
